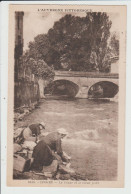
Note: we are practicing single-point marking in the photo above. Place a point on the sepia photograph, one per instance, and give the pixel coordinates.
(66, 95)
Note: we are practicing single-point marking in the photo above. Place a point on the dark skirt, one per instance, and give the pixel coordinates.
(42, 155)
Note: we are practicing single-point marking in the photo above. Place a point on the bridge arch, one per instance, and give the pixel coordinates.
(103, 89)
(62, 87)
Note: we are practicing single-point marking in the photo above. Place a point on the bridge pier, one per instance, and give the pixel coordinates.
(83, 92)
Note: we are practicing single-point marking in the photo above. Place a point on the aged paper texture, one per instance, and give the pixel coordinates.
(66, 96)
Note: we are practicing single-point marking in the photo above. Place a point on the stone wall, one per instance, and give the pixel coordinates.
(26, 87)
(26, 93)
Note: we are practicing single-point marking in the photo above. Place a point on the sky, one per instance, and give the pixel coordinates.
(39, 23)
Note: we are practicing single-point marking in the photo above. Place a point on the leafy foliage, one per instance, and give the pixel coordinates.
(114, 44)
(38, 67)
(74, 43)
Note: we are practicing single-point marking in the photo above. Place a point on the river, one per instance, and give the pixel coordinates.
(93, 132)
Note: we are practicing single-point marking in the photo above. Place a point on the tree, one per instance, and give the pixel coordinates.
(72, 42)
(114, 44)
(40, 69)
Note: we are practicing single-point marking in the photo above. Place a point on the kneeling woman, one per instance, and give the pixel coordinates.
(42, 156)
(43, 153)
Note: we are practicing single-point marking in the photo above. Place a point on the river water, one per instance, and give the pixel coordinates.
(93, 132)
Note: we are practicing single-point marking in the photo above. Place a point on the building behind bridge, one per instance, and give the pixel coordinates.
(115, 66)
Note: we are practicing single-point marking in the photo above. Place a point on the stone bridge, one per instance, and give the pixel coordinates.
(83, 82)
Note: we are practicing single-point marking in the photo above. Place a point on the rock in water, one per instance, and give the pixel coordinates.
(19, 163)
(51, 168)
(17, 148)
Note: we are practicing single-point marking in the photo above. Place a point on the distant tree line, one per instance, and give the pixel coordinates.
(76, 44)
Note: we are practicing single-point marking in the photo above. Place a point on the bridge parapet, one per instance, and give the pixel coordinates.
(86, 74)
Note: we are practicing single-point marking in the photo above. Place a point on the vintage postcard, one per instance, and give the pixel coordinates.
(66, 96)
